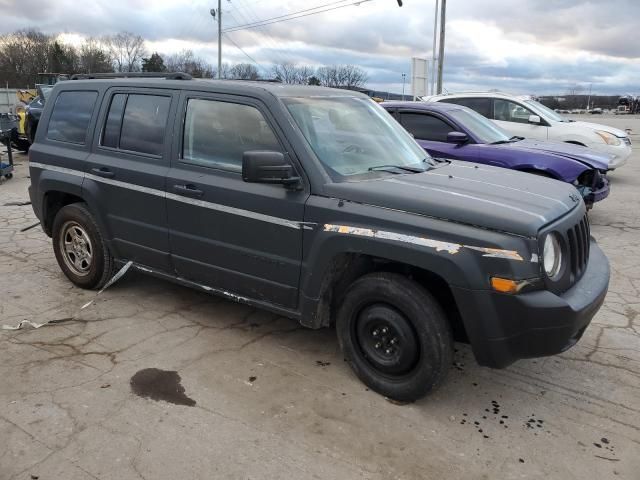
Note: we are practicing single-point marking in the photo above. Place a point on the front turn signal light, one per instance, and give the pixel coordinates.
(504, 285)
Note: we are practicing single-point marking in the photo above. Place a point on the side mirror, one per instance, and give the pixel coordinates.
(265, 166)
(457, 137)
(534, 119)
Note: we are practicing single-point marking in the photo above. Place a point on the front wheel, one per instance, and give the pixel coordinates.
(395, 336)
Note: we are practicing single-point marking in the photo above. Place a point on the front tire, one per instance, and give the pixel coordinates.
(395, 336)
(80, 250)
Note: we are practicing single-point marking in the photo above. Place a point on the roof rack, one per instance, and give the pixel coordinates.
(165, 75)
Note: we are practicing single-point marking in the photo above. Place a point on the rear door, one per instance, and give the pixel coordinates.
(125, 174)
(244, 238)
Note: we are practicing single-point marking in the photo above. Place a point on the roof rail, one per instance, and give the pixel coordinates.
(166, 75)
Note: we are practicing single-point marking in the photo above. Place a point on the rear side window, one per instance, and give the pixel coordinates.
(137, 123)
(426, 127)
(480, 105)
(216, 134)
(71, 115)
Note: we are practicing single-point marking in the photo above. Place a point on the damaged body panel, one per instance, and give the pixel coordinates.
(310, 202)
(477, 139)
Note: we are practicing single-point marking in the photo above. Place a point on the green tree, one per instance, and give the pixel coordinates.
(155, 63)
(313, 80)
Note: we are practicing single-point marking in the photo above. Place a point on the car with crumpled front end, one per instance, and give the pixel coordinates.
(457, 132)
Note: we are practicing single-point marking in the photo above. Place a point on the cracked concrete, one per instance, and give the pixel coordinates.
(274, 400)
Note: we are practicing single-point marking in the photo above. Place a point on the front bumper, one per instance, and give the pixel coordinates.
(621, 152)
(595, 194)
(503, 328)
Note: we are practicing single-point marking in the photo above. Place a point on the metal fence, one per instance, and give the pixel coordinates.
(7, 99)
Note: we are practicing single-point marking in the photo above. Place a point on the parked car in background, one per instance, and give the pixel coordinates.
(456, 132)
(33, 111)
(596, 111)
(315, 204)
(525, 117)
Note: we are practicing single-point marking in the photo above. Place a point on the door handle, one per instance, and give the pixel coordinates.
(103, 172)
(188, 190)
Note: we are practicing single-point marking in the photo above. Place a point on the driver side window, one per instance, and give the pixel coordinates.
(426, 127)
(507, 111)
(217, 133)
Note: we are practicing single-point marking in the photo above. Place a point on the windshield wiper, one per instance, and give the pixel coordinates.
(393, 168)
(516, 138)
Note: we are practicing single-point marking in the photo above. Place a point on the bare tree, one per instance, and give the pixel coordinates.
(24, 54)
(292, 73)
(185, 61)
(342, 76)
(285, 72)
(244, 71)
(126, 51)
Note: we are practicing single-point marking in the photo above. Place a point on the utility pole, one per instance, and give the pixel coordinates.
(443, 10)
(403, 77)
(589, 97)
(433, 52)
(213, 13)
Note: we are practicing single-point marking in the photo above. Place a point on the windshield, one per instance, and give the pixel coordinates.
(354, 136)
(545, 111)
(483, 129)
(44, 91)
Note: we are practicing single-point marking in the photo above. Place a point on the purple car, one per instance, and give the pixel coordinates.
(456, 132)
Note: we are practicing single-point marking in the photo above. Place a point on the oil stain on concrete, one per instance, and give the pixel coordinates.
(162, 385)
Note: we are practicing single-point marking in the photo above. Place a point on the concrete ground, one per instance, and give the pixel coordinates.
(264, 398)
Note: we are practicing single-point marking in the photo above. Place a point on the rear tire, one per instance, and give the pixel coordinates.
(79, 247)
(395, 336)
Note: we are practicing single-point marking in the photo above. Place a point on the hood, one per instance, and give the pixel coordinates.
(485, 196)
(605, 128)
(582, 154)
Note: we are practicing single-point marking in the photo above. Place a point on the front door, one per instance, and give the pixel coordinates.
(514, 118)
(241, 238)
(431, 131)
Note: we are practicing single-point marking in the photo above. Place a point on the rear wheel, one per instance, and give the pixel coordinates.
(395, 336)
(79, 247)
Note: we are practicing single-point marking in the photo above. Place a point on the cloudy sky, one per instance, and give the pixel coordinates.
(520, 46)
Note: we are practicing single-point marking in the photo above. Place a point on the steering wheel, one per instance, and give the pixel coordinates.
(352, 148)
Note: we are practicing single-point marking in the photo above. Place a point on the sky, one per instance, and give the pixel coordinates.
(533, 47)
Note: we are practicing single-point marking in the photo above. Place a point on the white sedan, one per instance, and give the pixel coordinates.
(525, 117)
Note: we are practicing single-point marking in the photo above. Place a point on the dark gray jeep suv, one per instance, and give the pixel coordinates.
(315, 204)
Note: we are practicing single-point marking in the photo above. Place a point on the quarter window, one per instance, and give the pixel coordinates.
(426, 127)
(216, 134)
(71, 116)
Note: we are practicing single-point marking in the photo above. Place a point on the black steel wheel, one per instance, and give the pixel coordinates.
(395, 336)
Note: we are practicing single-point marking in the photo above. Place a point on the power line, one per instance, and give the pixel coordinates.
(240, 48)
(294, 13)
(290, 16)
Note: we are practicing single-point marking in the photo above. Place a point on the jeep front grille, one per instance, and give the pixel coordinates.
(578, 240)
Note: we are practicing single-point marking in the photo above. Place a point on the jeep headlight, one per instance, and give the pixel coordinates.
(608, 138)
(551, 255)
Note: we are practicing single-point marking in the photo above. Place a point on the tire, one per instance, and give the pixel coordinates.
(418, 361)
(75, 227)
(22, 145)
